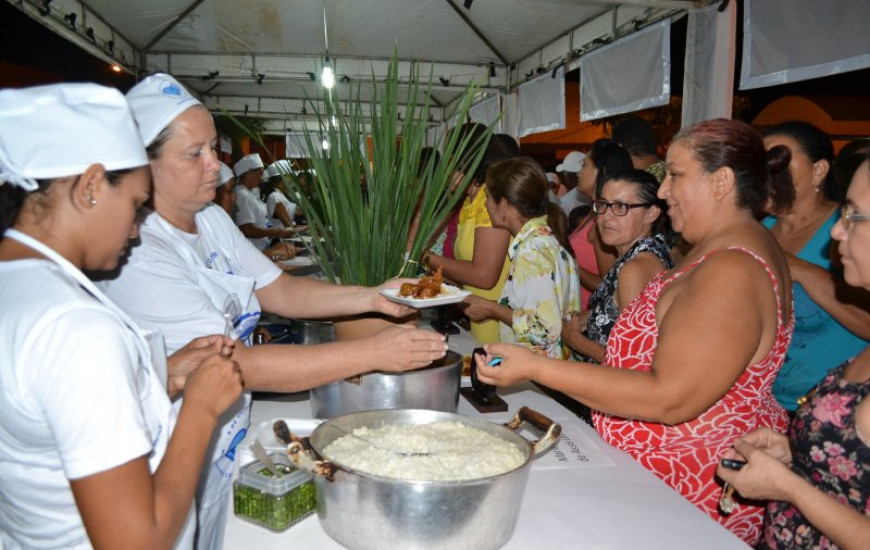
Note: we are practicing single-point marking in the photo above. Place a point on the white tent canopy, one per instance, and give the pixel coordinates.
(262, 57)
(258, 57)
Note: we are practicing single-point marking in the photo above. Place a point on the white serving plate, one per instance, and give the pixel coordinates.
(449, 295)
(300, 261)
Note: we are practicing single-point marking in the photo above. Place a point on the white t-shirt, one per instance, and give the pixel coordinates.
(251, 210)
(177, 282)
(77, 399)
(159, 286)
(273, 200)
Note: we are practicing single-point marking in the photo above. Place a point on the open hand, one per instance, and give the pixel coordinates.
(517, 365)
(403, 347)
(382, 305)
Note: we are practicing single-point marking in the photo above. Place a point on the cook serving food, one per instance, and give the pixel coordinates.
(93, 454)
(192, 257)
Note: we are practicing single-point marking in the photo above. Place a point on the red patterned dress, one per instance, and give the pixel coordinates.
(685, 455)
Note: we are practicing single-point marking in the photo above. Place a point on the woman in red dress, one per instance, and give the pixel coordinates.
(690, 362)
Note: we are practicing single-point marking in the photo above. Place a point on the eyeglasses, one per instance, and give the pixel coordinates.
(849, 218)
(618, 208)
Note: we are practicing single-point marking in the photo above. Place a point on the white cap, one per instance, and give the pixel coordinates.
(247, 163)
(225, 174)
(60, 129)
(156, 101)
(572, 163)
(278, 168)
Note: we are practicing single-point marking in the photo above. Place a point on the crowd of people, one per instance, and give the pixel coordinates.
(708, 307)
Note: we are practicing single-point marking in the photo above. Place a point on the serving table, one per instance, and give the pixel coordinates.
(581, 494)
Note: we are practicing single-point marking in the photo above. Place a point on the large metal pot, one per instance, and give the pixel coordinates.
(366, 512)
(435, 387)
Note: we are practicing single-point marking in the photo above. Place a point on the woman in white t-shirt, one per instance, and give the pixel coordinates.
(193, 261)
(252, 216)
(279, 208)
(92, 453)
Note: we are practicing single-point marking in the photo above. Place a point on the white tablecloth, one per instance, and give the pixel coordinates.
(592, 496)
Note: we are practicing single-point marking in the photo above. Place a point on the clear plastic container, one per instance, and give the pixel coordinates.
(273, 502)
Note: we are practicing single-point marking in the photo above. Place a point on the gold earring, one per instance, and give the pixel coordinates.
(91, 200)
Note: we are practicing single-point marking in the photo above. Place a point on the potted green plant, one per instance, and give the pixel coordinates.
(363, 203)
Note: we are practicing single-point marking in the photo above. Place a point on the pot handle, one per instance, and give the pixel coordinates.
(551, 429)
(303, 460)
(283, 433)
(356, 379)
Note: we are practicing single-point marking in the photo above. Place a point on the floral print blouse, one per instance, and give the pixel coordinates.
(827, 452)
(541, 287)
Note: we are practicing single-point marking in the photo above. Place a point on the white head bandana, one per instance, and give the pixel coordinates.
(225, 174)
(247, 163)
(156, 101)
(278, 168)
(60, 130)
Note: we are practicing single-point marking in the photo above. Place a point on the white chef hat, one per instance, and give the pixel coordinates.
(278, 168)
(572, 163)
(41, 130)
(225, 174)
(247, 163)
(156, 101)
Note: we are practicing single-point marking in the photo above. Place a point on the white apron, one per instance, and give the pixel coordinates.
(213, 494)
(150, 375)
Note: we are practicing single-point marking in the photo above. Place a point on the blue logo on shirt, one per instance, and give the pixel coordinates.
(172, 90)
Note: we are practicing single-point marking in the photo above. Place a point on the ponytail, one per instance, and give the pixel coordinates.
(780, 187)
(558, 222)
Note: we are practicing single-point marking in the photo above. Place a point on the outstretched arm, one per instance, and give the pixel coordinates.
(484, 269)
(688, 373)
(848, 305)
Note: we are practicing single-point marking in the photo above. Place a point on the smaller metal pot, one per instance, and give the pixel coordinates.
(367, 512)
(435, 387)
(311, 332)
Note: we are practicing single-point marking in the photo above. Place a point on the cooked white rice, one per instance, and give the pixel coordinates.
(457, 452)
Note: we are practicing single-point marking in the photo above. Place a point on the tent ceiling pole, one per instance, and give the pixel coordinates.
(172, 24)
(670, 4)
(477, 32)
(569, 32)
(314, 57)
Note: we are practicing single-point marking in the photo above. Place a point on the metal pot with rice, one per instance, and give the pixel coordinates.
(459, 488)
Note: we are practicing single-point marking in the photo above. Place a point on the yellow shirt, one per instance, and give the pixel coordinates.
(472, 216)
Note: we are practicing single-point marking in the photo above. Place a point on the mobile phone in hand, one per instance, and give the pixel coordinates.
(732, 464)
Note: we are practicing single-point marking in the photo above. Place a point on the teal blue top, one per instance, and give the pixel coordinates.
(819, 343)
